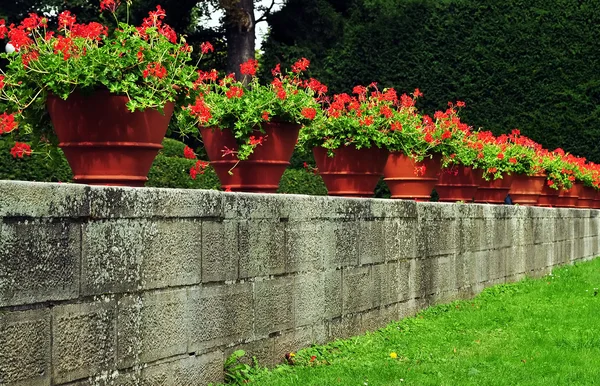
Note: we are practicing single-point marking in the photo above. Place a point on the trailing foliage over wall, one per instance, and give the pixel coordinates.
(532, 65)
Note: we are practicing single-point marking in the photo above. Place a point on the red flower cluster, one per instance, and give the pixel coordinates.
(198, 168)
(7, 123)
(309, 113)
(201, 111)
(66, 20)
(235, 92)
(189, 153)
(206, 47)
(155, 69)
(249, 67)
(155, 19)
(300, 65)
(110, 5)
(3, 29)
(253, 141)
(20, 149)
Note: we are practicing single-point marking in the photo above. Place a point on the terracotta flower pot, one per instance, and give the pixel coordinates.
(597, 200)
(409, 180)
(456, 184)
(493, 191)
(547, 197)
(569, 198)
(104, 143)
(261, 172)
(586, 197)
(351, 172)
(525, 190)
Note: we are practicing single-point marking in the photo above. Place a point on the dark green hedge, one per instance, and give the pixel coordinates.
(532, 65)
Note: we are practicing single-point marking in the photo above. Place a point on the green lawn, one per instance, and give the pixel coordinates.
(535, 332)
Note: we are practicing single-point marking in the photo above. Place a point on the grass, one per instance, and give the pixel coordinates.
(535, 332)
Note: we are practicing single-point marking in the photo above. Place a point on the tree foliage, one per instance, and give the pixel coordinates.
(527, 64)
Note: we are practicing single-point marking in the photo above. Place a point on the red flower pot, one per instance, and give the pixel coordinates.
(525, 190)
(409, 180)
(569, 198)
(351, 172)
(597, 200)
(493, 191)
(586, 197)
(104, 143)
(261, 172)
(456, 184)
(547, 197)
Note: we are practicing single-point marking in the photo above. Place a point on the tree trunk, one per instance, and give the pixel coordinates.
(240, 33)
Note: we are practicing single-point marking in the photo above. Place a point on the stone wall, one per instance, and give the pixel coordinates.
(127, 286)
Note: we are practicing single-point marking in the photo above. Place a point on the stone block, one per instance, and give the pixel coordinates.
(220, 256)
(467, 234)
(390, 282)
(171, 255)
(84, 339)
(251, 206)
(261, 247)
(35, 199)
(309, 298)
(421, 278)
(357, 287)
(39, 261)
(190, 371)
(273, 305)
(372, 242)
(481, 266)
(436, 234)
(543, 230)
(515, 262)
(400, 239)
(345, 239)
(378, 318)
(25, 348)
(309, 245)
(220, 315)
(333, 293)
(344, 327)
(122, 202)
(497, 263)
(393, 209)
(151, 326)
(112, 254)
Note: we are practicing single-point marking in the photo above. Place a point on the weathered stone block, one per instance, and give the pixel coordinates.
(274, 308)
(345, 238)
(220, 256)
(220, 315)
(35, 199)
(436, 230)
(309, 299)
(25, 348)
(151, 326)
(171, 255)
(543, 230)
(123, 202)
(333, 293)
(421, 279)
(39, 261)
(84, 339)
(390, 282)
(112, 254)
(372, 242)
(261, 247)
(377, 318)
(357, 290)
(344, 327)
(400, 239)
(193, 370)
(251, 206)
(309, 245)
